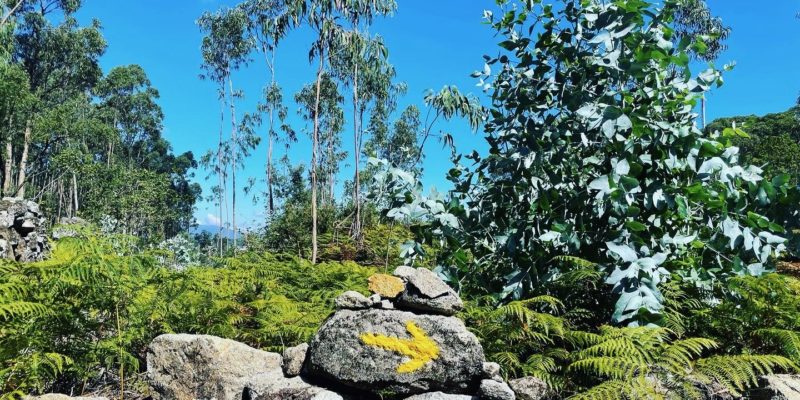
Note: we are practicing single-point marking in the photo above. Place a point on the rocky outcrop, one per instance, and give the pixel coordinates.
(402, 342)
(22, 230)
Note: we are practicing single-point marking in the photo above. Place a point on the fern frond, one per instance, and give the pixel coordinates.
(612, 367)
(739, 372)
(609, 390)
(22, 309)
(787, 340)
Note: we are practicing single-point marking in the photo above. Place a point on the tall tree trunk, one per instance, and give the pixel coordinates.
(270, 196)
(234, 150)
(703, 107)
(271, 133)
(7, 179)
(23, 162)
(314, 151)
(75, 204)
(357, 156)
(220, 171)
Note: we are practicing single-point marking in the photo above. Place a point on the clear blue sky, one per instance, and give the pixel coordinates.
(432, 43)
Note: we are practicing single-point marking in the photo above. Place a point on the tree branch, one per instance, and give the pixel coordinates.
(11, 12)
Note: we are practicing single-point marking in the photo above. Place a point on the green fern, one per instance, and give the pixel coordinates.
(647, 363)
(787, 341)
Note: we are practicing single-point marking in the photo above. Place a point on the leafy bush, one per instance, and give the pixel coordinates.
(83, 318)
(594, 152)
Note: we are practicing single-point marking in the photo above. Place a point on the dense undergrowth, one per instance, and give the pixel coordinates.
(704, 346)
(84, 318)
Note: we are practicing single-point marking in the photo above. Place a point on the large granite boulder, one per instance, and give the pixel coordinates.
(22, 230)
(186, 367)
(394, 352)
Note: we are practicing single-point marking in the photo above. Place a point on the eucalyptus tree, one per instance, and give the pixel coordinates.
(61, 62)
(694, 20)
(594, 153)
(399, 145)
(269, 22)
(362, 59)
(129, 103)
(321, 18)
(226, 48)
(331, 125)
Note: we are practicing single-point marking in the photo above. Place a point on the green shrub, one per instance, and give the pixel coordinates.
(84, 318)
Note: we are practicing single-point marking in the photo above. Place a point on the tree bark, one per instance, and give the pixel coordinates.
(220, 170)
(7, 179)
(23, 162)
(10, 13)
(356, 155)
(234, 150)
(314, 151)
(271, 133)
(76, 205)
(703, 107)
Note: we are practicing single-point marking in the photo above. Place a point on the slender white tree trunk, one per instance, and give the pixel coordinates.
(7, 178)
(23, 162)
(234, 151)
(357, 157)
(314, 152)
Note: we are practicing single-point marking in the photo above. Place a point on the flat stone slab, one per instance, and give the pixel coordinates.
(386, 285)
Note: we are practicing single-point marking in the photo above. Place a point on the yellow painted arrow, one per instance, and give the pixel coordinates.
(420, 349)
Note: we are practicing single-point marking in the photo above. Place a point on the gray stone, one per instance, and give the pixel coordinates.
(404, 272)
(529, 388)
(267, 386)
(294, 358)
(426, 292)
(491, 370)
(184, 367)
(387, 305)
(352, 300)
(338, 353)
(22, 230)
(59, 396)
(375, 299)
(494, 390)
(441, 396)
(6, 219)
(777, 387)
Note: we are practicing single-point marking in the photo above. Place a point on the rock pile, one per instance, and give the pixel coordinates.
(401, 342)
(22, 230)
